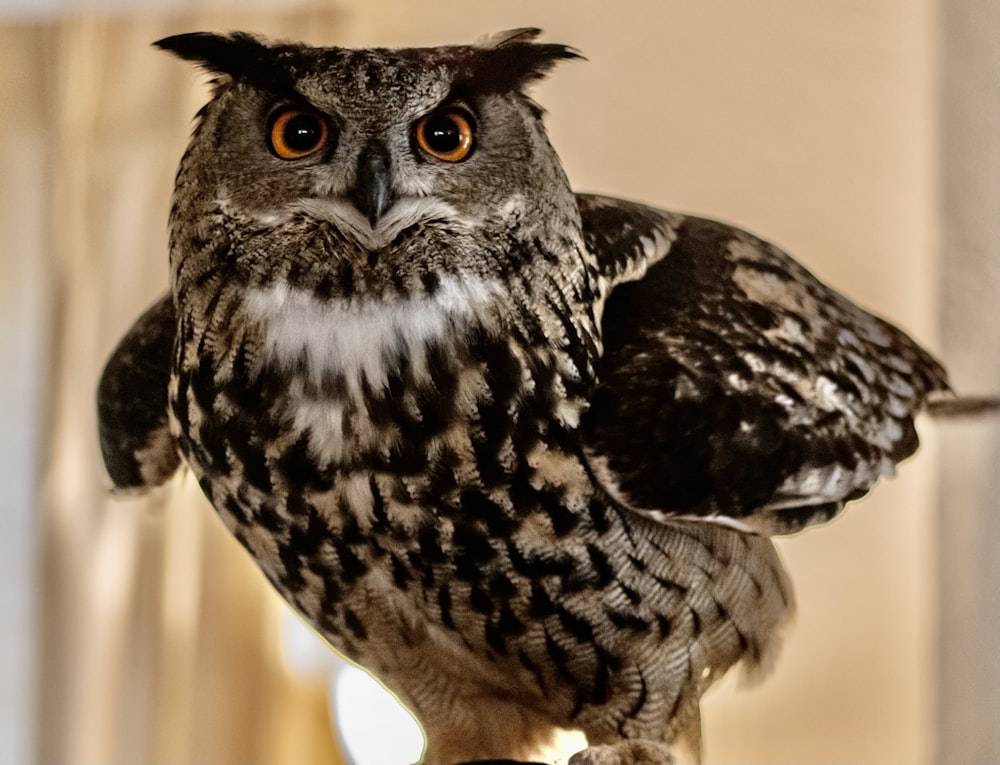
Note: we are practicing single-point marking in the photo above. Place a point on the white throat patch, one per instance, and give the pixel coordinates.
(361, 339)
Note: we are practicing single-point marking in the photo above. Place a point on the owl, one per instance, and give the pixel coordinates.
(517, 451)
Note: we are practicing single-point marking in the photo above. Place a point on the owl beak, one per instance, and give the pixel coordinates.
(372, 193)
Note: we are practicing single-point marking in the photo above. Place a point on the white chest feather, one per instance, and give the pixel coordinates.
(359, 343)
(362, 340)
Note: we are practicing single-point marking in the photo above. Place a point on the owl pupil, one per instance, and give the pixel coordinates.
(442, 134)
(302, 133)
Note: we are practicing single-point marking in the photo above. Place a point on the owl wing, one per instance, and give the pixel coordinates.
(734, 386)
(138, 450)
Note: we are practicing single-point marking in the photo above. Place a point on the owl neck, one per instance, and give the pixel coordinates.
(369, 378)
(354, 344)
(365, 354)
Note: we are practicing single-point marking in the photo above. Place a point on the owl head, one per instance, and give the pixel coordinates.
(391, 164)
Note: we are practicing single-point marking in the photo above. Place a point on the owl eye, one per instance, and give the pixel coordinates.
(296, 132)
(445, 135)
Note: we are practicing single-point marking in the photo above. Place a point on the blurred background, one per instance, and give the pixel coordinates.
(861, 135)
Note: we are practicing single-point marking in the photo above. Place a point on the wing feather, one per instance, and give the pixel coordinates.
(735, 386)
(138, 450)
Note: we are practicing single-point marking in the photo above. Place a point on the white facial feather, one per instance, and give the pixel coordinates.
(405, 212)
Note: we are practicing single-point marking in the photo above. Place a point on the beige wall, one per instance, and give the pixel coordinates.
(813, 124)
(968, 697)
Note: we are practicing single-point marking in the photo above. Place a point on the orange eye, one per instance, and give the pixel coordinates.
(297, 133)
(445, 135)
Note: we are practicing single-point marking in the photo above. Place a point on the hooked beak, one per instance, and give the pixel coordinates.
(372, 193)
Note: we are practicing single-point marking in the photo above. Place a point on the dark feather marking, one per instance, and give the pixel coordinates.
(502, 587)
(331, 590)
(203, 384)
(627, 620)
(598, 514)
(663, 625)
(601, 690)
(601, 565)
(352, 567)
(475, 505)
(236, 509)
(378, 504)
(480, 600)
(636, 709)
(269, 519)
(208, 487)
(299, 468)
(637, 563)
(401, 574)
(292, 563)
(564, 520)
(542, 606)
(353, 622)
(509, 623)
(306, 535)
(445, 606)
(633, 595)
(560, 659)
(695, 620)
(213, 448)
(530, 665)
(350, 531)
(577, 626)
(431, 550)
(494, 637)
(253, 461)
(472, 551)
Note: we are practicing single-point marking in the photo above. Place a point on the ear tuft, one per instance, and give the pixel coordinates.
(237, 55)
(512, 60)
(222, 54)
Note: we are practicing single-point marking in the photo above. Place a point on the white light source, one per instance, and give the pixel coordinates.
(374, 727)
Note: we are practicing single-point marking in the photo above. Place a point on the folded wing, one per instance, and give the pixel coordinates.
(138, 450)
(735, 386)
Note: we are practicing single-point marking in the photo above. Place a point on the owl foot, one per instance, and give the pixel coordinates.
(500, 762)
(624, 753)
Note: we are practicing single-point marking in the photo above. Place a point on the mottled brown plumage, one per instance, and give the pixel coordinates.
(515, 450)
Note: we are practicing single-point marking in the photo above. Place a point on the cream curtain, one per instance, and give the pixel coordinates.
(160, 643)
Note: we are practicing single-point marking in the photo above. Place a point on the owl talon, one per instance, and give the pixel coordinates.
(624, 753)
(499, 762)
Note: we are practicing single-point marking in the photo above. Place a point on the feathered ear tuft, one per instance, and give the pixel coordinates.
(238, 55)
(228, 54)
(512, 60)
